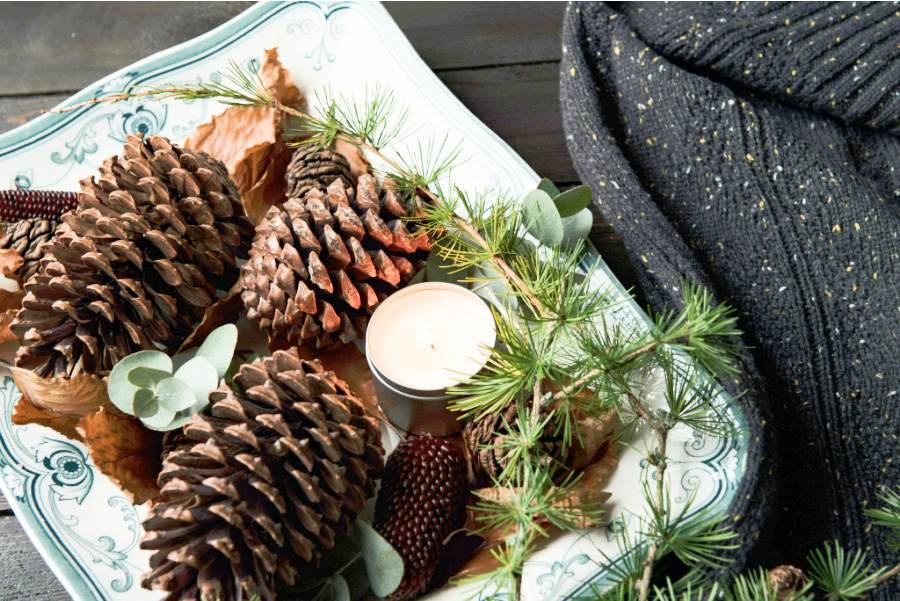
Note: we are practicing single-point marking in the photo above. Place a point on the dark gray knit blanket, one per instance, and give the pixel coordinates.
(755, 148)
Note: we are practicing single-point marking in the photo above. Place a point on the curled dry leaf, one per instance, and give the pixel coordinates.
(250, 141)
(10, 261)
(6, 318)
(358, 164)
(589, 490)
(225, 310)
(124, 450)
(27, 412)
(594, 433)
(77, 396)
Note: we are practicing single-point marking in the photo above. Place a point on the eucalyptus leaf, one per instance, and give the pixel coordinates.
(161, 419)
(549, 187)
(541, 218)
(201, 377)
(147, 377)
(573, 200)
(340, 591)
(439, 270)
(120, 389)
(218, 348)
(383, 564)
(144, 403)
(577, 227)
(175, 395)
(418, 278)
(357, 579)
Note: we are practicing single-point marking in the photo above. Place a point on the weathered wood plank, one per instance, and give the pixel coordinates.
(24, 574)
(453, 35)
(63, 46)
(18, 110)
(57, 47)
(521, 104)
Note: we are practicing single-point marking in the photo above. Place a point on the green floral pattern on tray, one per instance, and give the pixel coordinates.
(82, 525)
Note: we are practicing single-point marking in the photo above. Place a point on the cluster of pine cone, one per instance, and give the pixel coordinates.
(257, 489)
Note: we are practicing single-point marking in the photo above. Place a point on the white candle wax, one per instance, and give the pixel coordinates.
(430, 336)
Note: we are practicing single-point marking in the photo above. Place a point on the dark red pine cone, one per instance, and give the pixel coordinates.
(47, 204)
(421, 501)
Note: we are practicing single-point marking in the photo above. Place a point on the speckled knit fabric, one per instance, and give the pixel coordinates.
(753, 147)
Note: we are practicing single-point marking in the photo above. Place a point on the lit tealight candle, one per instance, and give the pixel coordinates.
(420, 341)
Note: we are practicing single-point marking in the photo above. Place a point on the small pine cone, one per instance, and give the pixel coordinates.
(313, 168)
(422, 501)
(254, 494)
(320, 264)
(483, 438)
(47, 204)
(136, 264)
(26, 237)
(786, 581)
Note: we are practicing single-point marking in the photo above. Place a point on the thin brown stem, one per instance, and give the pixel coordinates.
(112, 98)
(887, 575)
(643, 585)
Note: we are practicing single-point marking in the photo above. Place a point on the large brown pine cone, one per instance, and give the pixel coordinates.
(321, 263)
(136, 264)
(262, 486)
(26, 237)
(314, 168)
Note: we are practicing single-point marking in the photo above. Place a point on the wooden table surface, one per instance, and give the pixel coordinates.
(501, 60)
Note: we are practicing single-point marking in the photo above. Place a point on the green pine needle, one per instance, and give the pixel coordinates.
(888, 516)
(842, 576)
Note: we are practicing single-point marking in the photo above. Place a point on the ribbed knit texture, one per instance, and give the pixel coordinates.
(752, 147)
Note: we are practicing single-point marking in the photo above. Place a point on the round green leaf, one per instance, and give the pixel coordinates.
(573, 200)
(577, 227)
(147, 377)
(549, 187)
(541, 218)
(417, 279)
(160, 419)
(144, 403)
(339, 589)
(383, 564)
(120, 389)
(201, 377)
(175, 395)
(218, 348)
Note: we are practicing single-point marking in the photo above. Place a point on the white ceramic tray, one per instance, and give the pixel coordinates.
(82, 525)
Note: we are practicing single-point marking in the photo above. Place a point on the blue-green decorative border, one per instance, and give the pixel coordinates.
(37, 463)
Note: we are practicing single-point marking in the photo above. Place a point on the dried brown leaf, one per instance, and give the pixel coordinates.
(250, 142)
(6, 318)
(593, 434)
(76, 396)
(124, 450)
(10, 261)
(358, 164)
(225, 310)
(27, 412)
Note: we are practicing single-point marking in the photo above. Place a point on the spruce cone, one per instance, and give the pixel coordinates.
(26, 237)
(484, 436)
(422, 500)
(320, 264)
(136, 264)
(260, 488)
(312, 168)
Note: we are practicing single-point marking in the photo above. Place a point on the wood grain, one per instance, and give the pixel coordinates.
(24, 574)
